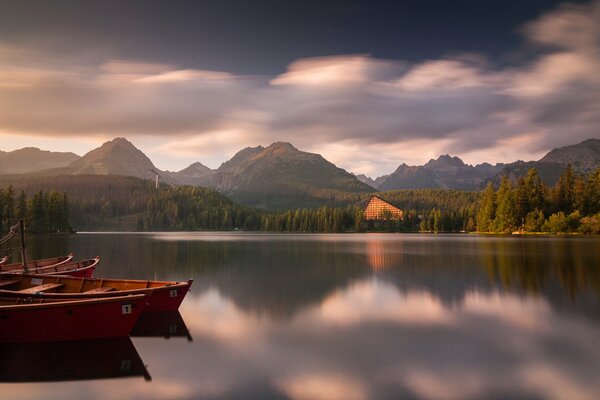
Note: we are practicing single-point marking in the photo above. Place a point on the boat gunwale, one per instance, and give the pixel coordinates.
(68, 258)
(51, 303)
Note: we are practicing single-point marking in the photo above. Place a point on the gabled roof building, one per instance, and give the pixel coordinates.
(378, 209)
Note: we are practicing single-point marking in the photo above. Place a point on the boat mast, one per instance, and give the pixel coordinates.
(23, 254)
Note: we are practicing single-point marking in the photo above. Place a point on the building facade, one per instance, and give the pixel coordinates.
(378, 209)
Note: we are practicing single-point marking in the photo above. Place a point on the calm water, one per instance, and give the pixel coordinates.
(339, 317)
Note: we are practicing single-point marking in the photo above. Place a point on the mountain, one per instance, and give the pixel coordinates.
(448, 172)
(281, 176)
(549, 172)
(407, 177)
(366, 180)
(445, 172)
(116, 157)
(187, 176)
(32, 159)
(584, 156)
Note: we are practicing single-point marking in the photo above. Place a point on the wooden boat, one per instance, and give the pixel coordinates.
(43, 320)
(166, 295)
(165, 324)
(81, 269)
(70, 361)
(35, 265)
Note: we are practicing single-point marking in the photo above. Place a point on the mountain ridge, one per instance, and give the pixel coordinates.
(280, 175)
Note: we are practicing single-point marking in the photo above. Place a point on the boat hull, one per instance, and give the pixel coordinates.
(78, 269)
(34, 265)
(70, 320)
(162, 298)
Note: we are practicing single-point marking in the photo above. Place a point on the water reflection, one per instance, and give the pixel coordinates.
(67, 361)
(371, 340)
(165, 324)
(360, 316)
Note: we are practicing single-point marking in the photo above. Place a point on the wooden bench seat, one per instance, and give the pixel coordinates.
(9, 282)
(100, 290)
(41, 288)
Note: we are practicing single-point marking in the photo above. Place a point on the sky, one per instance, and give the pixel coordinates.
(367, 84)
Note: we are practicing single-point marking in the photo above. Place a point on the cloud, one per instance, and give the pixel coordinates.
(339, 106)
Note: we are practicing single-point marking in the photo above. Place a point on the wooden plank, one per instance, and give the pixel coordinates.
(41, 288)
(10, 282)
(100, 290)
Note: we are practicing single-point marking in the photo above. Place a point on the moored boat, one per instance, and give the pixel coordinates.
(80, 269)
(36, 265)
(44, 320)
(166, 295)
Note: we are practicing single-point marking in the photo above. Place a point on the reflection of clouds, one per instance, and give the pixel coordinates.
(212, 315)
(323, 387)
(375, 301)
(369, 340)
(371, 335)
(528, 313)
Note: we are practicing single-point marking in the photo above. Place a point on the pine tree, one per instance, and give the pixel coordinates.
(487, 209)
(505, 220)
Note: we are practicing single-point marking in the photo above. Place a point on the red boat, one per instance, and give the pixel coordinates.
(166, 295)
(80, 269)
(35, 265)
(43, 320)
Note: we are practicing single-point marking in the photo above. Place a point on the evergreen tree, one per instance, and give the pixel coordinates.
(487, 209)
(505, 220)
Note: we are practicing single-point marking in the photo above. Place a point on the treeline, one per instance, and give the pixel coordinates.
(197, 208)
(571, 205)
(431, 210)
(127, 204)
(43, 212)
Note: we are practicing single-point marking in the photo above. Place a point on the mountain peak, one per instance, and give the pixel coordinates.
(30, 159)
(445, 161)
(281, 148)
(118, 142)
(584, 156)
(116, 157)
(195, 169)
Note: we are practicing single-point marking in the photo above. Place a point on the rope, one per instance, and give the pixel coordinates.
(7, 237)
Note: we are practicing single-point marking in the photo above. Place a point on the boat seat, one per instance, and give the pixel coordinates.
(100, 290)
(41, 288)
(9, 282)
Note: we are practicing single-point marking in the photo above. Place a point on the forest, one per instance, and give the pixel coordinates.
(42, 213)
(63, 203)
(571, 205)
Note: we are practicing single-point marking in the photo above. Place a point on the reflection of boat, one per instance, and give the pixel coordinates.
(167, 324)
(72, 360)
(43, 320)
(166, 295)
(37, 265)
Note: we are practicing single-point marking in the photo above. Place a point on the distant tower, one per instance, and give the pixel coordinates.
(157, 181)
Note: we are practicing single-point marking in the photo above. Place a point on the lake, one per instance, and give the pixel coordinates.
(348, 316)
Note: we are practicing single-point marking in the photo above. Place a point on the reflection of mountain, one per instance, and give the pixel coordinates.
(66, 361)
